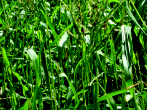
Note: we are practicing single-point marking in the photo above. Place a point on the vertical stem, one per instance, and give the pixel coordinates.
(96, 96)
(50, 63)
(105, 76)
(26, 17)
(123, 103)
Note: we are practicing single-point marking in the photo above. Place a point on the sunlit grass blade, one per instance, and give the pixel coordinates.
(35, 60)
(25, 107)
(5, 58)
(61, 34)
(109, 95)
(50, 25)
(63, 39)
(127, 55)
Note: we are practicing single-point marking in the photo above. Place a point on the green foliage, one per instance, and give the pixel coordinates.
(68, 54)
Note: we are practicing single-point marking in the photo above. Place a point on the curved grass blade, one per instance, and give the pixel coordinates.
(54, 13)
(133, 18)
(7, 65)
(35, 61)
(116, 1)
(109, 95)
(142, 3)
(63, 39)
(108, 59)
(112, 103)
(50, 25)
(19, 77)
(70, 84)
(5, 58)
(127, 55)
(61, 34)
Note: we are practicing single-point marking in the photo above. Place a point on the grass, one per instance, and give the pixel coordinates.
(80, 55)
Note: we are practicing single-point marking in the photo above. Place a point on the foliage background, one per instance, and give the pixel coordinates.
(84, 54)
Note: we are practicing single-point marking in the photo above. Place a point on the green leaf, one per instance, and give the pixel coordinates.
(1, 34)
(112, 103)
(25, 107)
(127, 53)
(143, 94)
(61, 34)
(133, 18)
(36, 66)
(69, 16)
(63, 39)
(24, 89)
(109, 95)
(17, 75)
(70, 84)
(50, 25)
(43, 24)
(32, 55)
(116, 1)
(55, 12)
(5, 58)
(69, 93)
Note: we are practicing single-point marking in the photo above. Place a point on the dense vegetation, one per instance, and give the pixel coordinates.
(73, 54)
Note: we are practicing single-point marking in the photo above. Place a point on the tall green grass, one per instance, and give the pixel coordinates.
(68, 54)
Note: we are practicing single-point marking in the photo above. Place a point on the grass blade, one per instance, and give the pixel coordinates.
(133, 18)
